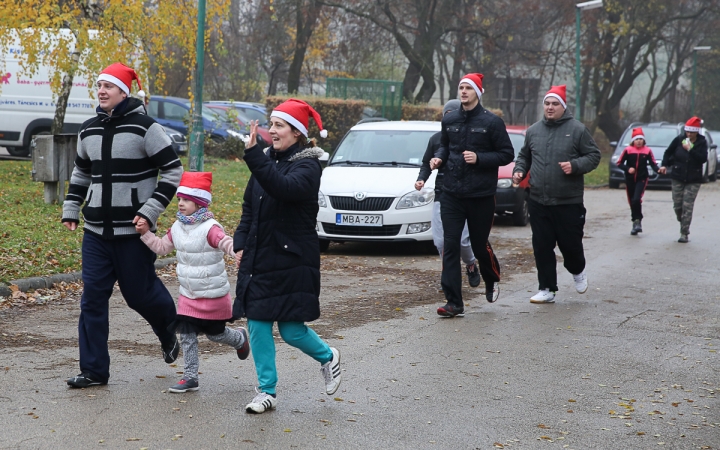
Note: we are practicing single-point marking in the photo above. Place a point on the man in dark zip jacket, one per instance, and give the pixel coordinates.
(474, 143)
(686, 155)
(558, 151)
(466, 253)
(125, 172)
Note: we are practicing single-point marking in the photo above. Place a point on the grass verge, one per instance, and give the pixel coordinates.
(33, 241)
(600, 175)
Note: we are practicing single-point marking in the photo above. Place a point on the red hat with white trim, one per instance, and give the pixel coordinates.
(474, 80)
(197, 187)
(693, 125)
(122, 76)
(297, 113)
(637, 133)
(558, 92)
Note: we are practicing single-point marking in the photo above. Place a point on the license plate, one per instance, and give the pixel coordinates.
(359, 220)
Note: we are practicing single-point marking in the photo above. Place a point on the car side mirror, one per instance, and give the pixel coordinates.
(714, 146)
(324, 159)
(613, 144)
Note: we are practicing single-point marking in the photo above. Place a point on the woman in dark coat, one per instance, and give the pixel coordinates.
(278, 251)
(686, 155)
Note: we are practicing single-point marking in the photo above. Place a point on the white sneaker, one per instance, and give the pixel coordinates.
(331, 372)
(261, 403)
(581, 283)
(544, 296)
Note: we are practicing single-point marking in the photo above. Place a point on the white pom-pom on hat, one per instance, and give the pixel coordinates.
(323, 134)
(141, 93)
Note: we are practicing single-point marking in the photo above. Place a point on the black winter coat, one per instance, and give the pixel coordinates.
(686, 166)
(279, 276)
(425, 171)
(482, 132)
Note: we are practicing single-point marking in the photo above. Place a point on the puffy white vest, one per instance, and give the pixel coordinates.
(200, 268)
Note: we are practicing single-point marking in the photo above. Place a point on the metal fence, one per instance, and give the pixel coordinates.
(385, 97)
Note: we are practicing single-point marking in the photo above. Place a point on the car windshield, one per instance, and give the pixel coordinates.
(656, 138)
(382, 147)
(517, 141)
(254, 114)
(211, 114)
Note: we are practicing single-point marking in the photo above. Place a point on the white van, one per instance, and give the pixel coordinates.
(27, 104)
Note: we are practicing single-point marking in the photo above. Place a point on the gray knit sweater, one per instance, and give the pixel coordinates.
(119, 159)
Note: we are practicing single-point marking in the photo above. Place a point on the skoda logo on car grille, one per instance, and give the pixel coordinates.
(359, 196)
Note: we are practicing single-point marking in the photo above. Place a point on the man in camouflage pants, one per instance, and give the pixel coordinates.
(686, 155)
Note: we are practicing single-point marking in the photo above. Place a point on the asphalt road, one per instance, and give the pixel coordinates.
(631, 364)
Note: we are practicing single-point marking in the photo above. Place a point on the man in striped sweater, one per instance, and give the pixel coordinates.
(121, 153)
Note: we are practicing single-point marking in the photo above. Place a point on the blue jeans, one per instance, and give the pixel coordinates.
(132, 264)
(296, 334)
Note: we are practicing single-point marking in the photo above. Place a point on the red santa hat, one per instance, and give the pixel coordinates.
(197, 187)
(122, 76)
(474, 80)
(559, 93)
(637, 133)
(297, 113)
(694, 125)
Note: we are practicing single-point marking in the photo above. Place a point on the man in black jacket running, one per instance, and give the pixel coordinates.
(474, 143)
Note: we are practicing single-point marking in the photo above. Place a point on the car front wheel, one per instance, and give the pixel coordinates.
(521, 213)
(324, 245)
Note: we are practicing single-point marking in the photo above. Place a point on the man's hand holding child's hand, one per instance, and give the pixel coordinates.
(141, 225)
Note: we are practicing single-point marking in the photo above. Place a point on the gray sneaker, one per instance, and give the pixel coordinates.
(684, 239)
(185, 385)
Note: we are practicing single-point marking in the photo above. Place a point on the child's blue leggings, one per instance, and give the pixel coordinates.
(296, 334)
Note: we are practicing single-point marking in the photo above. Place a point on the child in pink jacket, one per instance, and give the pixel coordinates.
(204, 304)
(634, 161)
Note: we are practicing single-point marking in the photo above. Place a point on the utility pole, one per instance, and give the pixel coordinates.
(197, 135)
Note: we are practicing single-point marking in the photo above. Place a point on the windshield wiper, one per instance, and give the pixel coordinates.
(396, 163)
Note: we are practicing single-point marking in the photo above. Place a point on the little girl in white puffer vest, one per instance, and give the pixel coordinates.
(204, 304)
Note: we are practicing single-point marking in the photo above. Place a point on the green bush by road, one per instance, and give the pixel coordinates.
(33, 242)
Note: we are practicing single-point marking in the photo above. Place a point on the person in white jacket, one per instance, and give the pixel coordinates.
(204, 304)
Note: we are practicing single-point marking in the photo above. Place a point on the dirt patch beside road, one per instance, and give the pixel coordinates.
(361, 283)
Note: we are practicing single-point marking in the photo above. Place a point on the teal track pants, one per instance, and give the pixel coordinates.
(296, 334)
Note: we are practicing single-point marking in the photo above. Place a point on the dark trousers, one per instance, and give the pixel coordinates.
(132, 264)
(479, 213)
(635, 189)
(561, 225)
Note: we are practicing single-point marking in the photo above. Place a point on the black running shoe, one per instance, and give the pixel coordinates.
(84, 380)
(450, 310)
(492, 291)
(244, 351)
(171, 352)
(473, 275)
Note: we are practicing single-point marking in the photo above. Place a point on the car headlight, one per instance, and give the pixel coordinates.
(416, 199)
(321, 200)
(614, 159)
(504, 183)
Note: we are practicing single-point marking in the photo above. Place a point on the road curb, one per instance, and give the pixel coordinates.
(33, 283)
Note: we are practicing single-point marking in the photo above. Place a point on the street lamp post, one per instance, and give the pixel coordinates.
(694, 76)
(197, 134)
(578, 9)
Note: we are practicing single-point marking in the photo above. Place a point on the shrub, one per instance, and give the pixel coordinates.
(421, 112)
(230, 148)
(338, 116)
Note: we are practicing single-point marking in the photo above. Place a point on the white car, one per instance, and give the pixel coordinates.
(367, 190)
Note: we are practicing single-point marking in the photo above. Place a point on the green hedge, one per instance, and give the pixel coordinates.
(338, 116)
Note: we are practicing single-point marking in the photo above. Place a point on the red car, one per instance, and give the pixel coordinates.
(242, 121)
(510, 199)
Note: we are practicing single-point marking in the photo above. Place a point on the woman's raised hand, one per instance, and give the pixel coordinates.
(253, 133)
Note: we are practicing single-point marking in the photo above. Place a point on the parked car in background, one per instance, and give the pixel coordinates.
(658, 136)
(250, 110)
(179, 141)
(511, 199)
(241, 122)
(174, 112)
(715, 134)
(367, 189)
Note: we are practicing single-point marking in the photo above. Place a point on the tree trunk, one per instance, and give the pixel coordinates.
(62, 100)
(306, 20)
